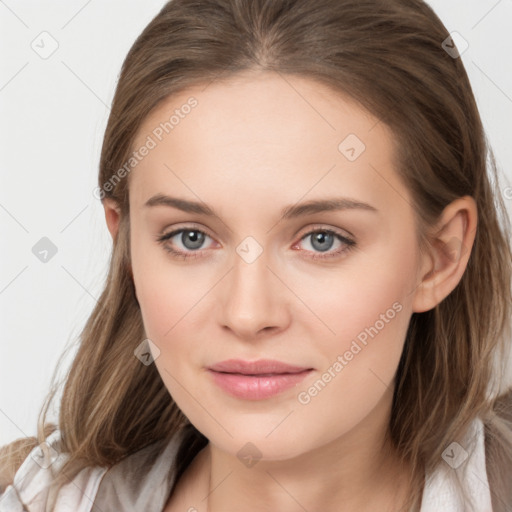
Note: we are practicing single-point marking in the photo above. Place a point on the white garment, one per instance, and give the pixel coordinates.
(143, 480)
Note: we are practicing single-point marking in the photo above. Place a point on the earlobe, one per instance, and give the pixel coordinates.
(451, 242)
(112, 216)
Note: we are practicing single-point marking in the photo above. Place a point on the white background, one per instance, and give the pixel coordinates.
(52, 116)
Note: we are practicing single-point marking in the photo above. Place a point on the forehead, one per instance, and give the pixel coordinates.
(265, 132)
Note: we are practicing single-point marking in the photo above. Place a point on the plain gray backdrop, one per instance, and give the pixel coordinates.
(60, 62)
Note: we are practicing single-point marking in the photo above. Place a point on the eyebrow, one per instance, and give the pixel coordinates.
(289, 212)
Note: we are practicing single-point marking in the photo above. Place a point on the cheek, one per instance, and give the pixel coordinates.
(370, 319)
(365, 298)
(166, 291)
(367, 309)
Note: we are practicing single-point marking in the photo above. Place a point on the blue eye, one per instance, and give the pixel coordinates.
(322, 240)
(191, 240)
(194, 237)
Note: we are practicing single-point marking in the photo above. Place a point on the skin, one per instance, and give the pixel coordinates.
(253, 145)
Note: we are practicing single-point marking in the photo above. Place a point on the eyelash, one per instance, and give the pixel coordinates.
(349, 244)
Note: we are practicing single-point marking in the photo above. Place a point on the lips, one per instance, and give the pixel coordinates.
(260, 367)
(256, 380)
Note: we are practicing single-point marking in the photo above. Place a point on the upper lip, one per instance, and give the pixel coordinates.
(262, 366)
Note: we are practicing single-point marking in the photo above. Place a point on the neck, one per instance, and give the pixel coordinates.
(357, 471)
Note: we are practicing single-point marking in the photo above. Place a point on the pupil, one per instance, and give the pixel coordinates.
(322, 238)
(195, 239)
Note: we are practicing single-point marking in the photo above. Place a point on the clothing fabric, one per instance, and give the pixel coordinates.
(142, 481)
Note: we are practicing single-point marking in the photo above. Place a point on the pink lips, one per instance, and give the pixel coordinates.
(256, 380)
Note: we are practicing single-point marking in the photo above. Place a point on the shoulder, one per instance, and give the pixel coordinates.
(29, 490)
(140, 481)
(463, 463)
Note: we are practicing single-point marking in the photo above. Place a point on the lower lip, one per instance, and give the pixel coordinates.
(254, 387)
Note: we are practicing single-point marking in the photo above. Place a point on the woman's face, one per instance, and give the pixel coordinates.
(325, 287)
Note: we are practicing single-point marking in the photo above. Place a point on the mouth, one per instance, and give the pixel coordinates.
(257, 380)
(264, 367)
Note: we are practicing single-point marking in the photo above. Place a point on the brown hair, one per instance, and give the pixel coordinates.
(388, 56)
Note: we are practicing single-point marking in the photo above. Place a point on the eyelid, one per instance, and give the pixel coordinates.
(349, 242)
(304, 231)
(324, 227)
(191, 226)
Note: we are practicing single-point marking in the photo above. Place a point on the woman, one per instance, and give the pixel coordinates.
(308, 304)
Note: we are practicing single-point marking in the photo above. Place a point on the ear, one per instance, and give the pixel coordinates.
(112, 215)
(451, 243)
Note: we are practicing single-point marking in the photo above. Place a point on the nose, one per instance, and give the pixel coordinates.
(254, 300)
